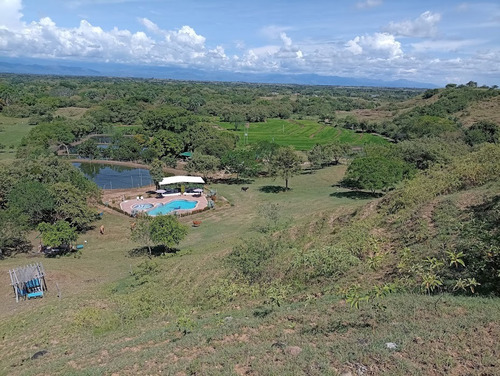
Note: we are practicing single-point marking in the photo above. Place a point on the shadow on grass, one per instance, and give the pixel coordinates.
(232, 181)
(156, 251)
(356, 195)
(273, 189)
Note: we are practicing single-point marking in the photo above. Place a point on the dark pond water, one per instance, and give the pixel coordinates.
(109, 176)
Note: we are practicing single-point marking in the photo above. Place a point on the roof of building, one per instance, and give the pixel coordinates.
(182, 179)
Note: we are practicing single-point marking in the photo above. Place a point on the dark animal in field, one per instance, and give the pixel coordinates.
(38, 354)
(244, 189)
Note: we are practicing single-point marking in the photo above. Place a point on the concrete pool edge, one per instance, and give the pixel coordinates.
(127, 205)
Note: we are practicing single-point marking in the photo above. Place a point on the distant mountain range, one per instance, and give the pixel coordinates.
(69, 68)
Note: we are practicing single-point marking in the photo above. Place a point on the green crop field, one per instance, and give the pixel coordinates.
(12, 130)
(302, 134)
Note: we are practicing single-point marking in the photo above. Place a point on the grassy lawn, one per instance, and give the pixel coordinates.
(71, 112)
(102, 323)
(12, 130)
(302, 134)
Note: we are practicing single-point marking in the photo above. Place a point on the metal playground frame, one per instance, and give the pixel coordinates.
(28, 281)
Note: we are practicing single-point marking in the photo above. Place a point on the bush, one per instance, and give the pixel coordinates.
(329, 262)
(250, 259)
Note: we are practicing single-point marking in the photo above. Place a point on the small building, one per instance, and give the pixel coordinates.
(175, 185)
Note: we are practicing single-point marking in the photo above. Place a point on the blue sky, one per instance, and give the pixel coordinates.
(426, 41)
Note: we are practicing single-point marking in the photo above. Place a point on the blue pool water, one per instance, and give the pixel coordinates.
(173, 205)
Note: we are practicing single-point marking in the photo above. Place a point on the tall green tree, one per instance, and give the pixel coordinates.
(71, 206)
(240, 162)
(33, 201)
(165, 230)
(166, 144)
(374, 173)
(203, 164)
(285, 163)
(57, 234)
(88, 148)
(156, 172)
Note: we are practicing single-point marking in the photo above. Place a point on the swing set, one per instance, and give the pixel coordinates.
(28, 281)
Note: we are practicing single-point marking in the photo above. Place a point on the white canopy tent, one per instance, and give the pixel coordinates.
(181, 179)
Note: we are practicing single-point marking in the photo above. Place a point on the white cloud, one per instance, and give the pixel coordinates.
(378, 55)
(45, 39)
(273, 32)
(10, 14)
(378, 45)
(423, 26)
(368, 4)
(444, 45)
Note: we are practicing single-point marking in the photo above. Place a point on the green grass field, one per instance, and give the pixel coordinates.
(12, 130)
(302, 134)
(107, 321)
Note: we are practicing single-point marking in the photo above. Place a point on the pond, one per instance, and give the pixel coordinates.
(108, 176)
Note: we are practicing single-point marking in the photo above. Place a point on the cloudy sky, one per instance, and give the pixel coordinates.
(426, 40)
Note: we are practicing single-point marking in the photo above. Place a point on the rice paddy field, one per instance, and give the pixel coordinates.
(302, 134)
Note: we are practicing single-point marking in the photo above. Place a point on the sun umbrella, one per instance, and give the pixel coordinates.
(198, 190)
(160, 191)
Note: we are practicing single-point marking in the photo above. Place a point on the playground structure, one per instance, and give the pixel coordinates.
(28, 281)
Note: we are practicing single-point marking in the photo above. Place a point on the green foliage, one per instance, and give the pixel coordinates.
(166, 143)
(13, 232)
(166, 230)
(95, 319)
(125, 148)
(375, 173)
(270, 218)
(225, 290)
(285, 163)
(71, 206)
(324, 155)
(88, 149)
(141, 232)
(483, 131)
(172, 119)
(31, 200)
(203, 164)
(478, 245)
(423, 153)
(144, 272)
(156, 172)
(329, 262)
(185, 324)
(276, 293)
(251, 258)
(471, 170)
(206, 139)
(57, 234)
(240, 162)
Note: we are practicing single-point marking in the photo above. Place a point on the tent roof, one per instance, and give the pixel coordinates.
(182, 179)
(186, 154)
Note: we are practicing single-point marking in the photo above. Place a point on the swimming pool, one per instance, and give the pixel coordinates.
(171, 206)
(142, 206)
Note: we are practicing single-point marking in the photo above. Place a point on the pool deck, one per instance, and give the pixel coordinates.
(202, 202)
